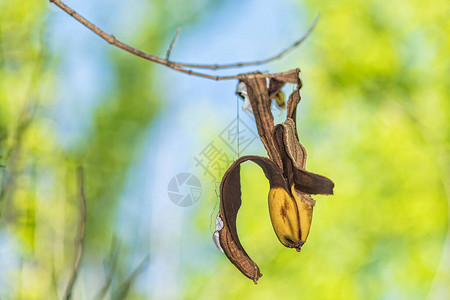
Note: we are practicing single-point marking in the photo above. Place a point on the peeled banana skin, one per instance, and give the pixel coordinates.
(291, 186)
(291, 209)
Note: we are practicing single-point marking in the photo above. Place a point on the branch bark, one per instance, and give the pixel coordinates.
(80, 234)
(177, 66)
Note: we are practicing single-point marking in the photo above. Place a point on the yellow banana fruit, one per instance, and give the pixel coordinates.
(305, 211)
(281, 100)
(291, 217)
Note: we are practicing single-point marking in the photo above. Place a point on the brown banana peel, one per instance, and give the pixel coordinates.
(290, 203)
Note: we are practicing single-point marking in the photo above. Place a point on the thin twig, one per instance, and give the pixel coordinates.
(123, 290)
(80, 234)
(257, 62)
(25, 119)
(173, 65)
(174, 40)
(110, 268)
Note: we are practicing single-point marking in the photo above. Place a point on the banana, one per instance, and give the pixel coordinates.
(281, 100)
(285, 218)
(289, 200)
(305, 211)
(291, 216)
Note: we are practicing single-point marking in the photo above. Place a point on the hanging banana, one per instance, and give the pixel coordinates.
(290, 203)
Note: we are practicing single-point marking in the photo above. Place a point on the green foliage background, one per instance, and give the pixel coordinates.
(374, 118)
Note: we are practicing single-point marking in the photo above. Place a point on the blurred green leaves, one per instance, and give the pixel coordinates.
(38, 197)
(374, 117)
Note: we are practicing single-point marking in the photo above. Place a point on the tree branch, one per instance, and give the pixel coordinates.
(257, 62)
(180, 66)
(110, 268)
(123, 290)
(80, 234)
(174, 40)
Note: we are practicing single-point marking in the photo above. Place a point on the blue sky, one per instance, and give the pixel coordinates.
(194, 112)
